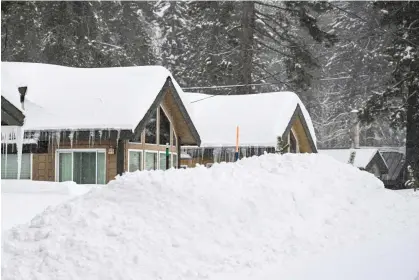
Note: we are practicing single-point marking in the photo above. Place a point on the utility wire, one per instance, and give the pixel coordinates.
(263, 84)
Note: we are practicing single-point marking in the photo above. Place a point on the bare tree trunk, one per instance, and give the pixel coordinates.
(412, 129)
(248, 24)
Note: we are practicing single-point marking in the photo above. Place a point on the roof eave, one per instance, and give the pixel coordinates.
(10, 114)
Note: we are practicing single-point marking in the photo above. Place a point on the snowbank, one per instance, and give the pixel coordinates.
(23, 199)
(29, 186)
(201, 223)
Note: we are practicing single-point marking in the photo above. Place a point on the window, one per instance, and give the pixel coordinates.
(82, 167)
(174, 139)
(293, 143)
(164, 128)
(65, 163)
(175, 161)
(163, 161)
(151, 130)
(134, 163)
(150, 160)
(9, 166)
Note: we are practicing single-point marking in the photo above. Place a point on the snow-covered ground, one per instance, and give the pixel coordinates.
(21, 200)
(272, 217)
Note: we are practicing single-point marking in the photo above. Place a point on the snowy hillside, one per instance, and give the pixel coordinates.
(203, 223)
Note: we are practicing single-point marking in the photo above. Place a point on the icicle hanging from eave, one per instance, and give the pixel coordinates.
(15, 134)
(20, 133)
(71, 137)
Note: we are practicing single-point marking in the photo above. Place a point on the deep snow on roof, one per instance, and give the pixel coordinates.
(60, 97)
(362, 156)
(261, 117)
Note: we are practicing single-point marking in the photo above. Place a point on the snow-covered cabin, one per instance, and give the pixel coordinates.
(261, 119)
(369, 159)
(90, 124)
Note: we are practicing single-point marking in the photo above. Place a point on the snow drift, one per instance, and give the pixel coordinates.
(199, 223)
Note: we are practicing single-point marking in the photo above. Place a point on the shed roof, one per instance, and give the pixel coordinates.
(395, 162)
(363, 157)
(60, 97)
(261, 117)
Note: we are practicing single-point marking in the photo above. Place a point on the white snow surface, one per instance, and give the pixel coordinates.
(261, 117)
(103, 98)
(362, 156)
(202, 223)
(21, 200)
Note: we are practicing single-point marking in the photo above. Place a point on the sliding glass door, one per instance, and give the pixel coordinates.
(82, 167)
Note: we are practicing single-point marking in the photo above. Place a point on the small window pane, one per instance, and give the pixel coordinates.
(293, 143)
(163, 161)
(150, 161)
(164, 128)
(174, 139)
(175, 160)
(134, 161)
(101, 168)
(151, 131)
(65, 167)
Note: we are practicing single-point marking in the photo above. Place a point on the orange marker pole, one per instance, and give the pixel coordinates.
(237, 143)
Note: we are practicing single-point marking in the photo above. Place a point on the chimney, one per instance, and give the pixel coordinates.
(354, 129)
(22, 91)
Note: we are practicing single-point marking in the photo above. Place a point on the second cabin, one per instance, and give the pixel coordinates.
(261, 119)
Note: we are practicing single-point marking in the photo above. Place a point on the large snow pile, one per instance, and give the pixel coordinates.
(202, 223)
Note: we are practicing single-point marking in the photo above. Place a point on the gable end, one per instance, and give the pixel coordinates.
(168, 85)
(298, 113)
(379, 160)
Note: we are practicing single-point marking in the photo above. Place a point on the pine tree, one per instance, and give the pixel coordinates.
(20, 32)
(400, 101)
(213, 42)
(126, 35)
(174, 22)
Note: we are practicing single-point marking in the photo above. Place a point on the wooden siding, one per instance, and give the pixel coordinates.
(43, 167)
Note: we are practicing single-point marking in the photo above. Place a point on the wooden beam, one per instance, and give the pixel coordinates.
(178, 151)
(120, 157)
